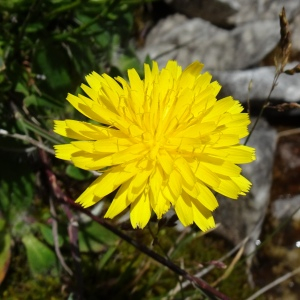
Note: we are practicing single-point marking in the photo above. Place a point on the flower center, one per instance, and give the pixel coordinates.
(154, 146)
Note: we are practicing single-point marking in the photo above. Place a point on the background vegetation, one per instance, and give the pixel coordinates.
(49, 248)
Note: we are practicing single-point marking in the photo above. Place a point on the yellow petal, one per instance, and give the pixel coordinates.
(113, 178)
(138, 183)
(85, 107)
(140, 211)
(207, 176)
(189, 74)
(137, 89)
(112, 144)
(220, 107)
(184, 168)
(155, 182)
(88, 198)
(133, 152)
(203, 82)
(222, 167)
(61, 127)
(206, 197)
(224, 140)
(166, 161)
(238, 154)
(202, 216)
(148, 81)
(86, 146)
(175, 184)
(228, 188)
(243, 183)
(120, 202)
(174, 69)
(94, 81)
(197, 130)
(166, 194)
(161, 206)
(89, 161)
(216, 87)
(236, 108)
(65, 151)
(93, 94)
(184, 210)
(113, 84)
(94, 162)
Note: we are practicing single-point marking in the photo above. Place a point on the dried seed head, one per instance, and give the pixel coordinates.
(293, 70)
(284, 47)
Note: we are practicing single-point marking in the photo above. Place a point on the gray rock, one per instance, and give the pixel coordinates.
(245, 216)
(187, 40)
(235, 12)
(253, 10)
(289, 156)
(177, 37)
(215, 11)
(285, 207)
(236, 83)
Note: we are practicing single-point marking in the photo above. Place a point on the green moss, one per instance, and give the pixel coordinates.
(19, 284)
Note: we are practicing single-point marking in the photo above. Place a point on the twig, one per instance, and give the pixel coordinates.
(55, 238)
(210, 267)
(280, 59)
(156, 242)
(72, 228)
(265, 105)
(37, 144)
(73, 237)
(248, 96)
(26, 138)
(274, 283)
(198, 282)
(144, 249)
(230, 267)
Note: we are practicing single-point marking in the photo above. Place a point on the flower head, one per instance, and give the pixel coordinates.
(163, 141)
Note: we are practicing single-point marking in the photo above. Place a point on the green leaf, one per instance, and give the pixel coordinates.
(128, 60)
(77, 174)
(21, 88)
(2, 64)
(16, 179)
(40, 258)
(5, 254)
(106, 257)
(94, 237)
(2, 224)
(46, 231)
(52, 61)
(30, 100)
(34, 27)
(34, 100)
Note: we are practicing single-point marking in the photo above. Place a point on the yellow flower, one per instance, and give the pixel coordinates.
(165, 141)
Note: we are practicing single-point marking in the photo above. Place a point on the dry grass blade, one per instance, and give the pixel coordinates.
(205, 271)
(285, 106)
(274, 283)
(284, 47)
(231, 266)
(27, 139)
(281, 58)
